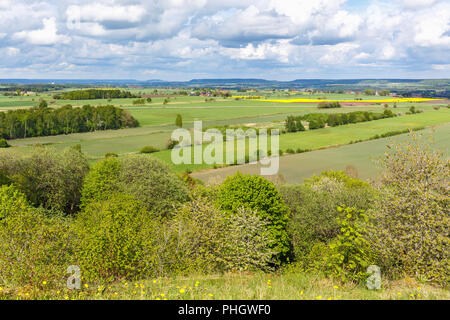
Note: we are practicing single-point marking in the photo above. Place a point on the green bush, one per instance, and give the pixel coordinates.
(101, 181)
(411, 221)
(327, 105)
(248, 242)
(109, 238)
(34, 246)
(349, 254)
(4, 180)
(4, 143)
(260, 195)
(316, 124)
(111, 155)
(148, 149)
(339, 176)
(48, 178)
(198, 230)
(207, 240)
(313, 209)
(152, 182)
(144, 177)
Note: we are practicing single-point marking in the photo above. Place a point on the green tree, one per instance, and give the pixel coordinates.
(48, 178)
(101, 181)
(109, 238)
(291, 124)
(179, 121)
(260, 195)
(411, 221)
(34, 246)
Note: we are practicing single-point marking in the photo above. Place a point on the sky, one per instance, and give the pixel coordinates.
(190, 39)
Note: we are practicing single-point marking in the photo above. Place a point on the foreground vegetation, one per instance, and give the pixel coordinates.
(136, 229)
(233, 286)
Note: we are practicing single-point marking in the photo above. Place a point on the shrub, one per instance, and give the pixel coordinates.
(109, 237)
(327, 105)
(4, 143)
(148, 149)
(172, 143)
(198, 230)
(111, 155)
(333, 120)
(205, 239)
(316, 124)
(4, 180)
(179, 121)
(152, 182)
(144, 177)
(48, 178)
(411, 225)
(34, 246)
(101, 181)
(313, 210)
(248, 242)
(339, 176)
(260, 195)
(349, 254)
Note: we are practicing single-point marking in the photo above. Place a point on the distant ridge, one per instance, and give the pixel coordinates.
(441, 85)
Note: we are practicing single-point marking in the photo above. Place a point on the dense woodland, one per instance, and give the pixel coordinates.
(45, 121)
(94, 94)
(319, 120)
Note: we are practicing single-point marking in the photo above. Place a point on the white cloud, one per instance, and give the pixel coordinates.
(100, 12)
(212, 37)
(45, 36)
(12, 52)
(433, 27)
(417, 4)
(279, 51)
(441, 67)
(340, 53)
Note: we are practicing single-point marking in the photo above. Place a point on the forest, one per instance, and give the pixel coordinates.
(45, 121)
(318, 120)
(89, 94)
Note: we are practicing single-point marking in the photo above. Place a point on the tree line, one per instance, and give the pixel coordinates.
(319, 120)
(88, 94)
(44, 121)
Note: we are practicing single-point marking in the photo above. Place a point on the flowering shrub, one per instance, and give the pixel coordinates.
(261, 196)
(411, 225)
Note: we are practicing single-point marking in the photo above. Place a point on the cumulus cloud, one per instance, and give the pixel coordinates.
(11, 51)
(242, 38)
(46, 36)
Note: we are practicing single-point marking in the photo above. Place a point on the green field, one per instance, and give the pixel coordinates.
(295, 168)
(157, 124)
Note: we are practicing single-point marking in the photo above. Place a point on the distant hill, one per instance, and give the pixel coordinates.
(440, 87)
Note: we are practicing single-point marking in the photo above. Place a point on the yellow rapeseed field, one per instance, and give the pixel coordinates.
(389, 100)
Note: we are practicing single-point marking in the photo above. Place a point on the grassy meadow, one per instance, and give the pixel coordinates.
(157, 122)
(234, 286)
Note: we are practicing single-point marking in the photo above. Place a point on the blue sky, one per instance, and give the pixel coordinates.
(186, 39)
